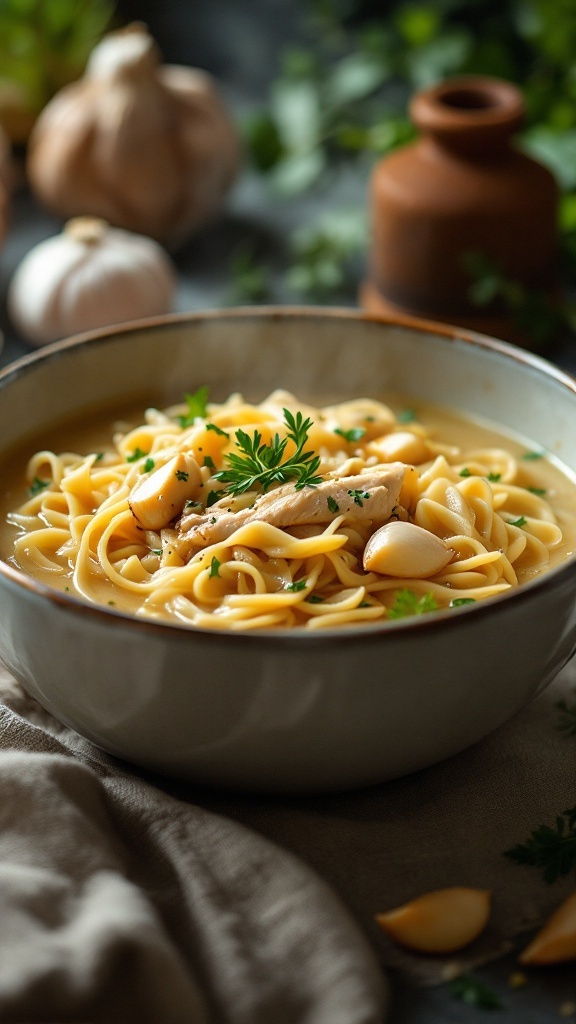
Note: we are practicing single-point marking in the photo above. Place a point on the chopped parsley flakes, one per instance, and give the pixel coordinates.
(37, 486)
(359, 496)
(136, 454)
(354, 434)
(297, 585)
(406, 603)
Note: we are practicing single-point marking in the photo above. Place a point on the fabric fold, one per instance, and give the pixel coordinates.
(120, 902)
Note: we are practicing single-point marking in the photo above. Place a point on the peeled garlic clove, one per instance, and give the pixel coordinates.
(400, 446)
(149, 147)
(89, 276)
(406, 550)
(442, 921)
(158, 498)
(556, 941)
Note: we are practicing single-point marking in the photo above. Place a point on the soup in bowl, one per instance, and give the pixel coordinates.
(286, 549)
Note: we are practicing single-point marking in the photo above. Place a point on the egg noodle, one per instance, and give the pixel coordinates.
(82, 528)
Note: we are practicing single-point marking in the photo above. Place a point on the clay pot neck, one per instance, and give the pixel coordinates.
(473, 116)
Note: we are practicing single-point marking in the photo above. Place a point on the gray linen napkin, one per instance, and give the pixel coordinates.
(120, 903)
(447, 825)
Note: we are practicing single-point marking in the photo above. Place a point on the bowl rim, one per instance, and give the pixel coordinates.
(368, 633)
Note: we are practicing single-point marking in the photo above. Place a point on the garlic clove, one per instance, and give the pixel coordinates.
(442, 921)
(400, 446)
(404, 549)
(150, 148)
(556, 941)
(158, 498)
(89, 276)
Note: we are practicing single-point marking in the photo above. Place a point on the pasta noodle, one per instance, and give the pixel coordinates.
(162, 524)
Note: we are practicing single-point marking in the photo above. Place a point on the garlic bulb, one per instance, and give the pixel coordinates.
(91, 275)
(149, 147)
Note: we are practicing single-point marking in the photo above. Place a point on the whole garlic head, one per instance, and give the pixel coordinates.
(91, 275)
(149, 147)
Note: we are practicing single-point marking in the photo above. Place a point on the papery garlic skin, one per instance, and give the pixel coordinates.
(89, 276)
(149, 147)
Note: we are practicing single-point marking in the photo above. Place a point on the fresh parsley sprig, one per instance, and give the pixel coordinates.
(551, 848)
(257, 465)
(406, 602)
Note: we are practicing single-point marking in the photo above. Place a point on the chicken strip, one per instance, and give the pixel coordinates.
(366, 497)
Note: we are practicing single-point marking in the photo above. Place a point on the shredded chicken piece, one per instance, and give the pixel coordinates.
(366, 497)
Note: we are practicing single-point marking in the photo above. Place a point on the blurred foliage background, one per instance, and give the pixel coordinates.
(334, 100)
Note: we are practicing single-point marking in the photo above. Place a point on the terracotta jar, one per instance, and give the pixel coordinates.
(461, 188)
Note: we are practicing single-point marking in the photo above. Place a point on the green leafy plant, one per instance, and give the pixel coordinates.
(342, 97)
(44, 46)
(552, 848)
(534, 312)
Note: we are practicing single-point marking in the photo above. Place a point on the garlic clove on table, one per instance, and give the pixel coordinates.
(89, 276)
(556, 941)
(149, 147)
(442, 921)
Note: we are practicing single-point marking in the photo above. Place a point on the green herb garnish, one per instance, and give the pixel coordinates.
(406, 416)
(214, 567)
(518, 522)
(465, 472)
(148, 466)
(406, 603)
(538, 491)
(37, 486)
(136, 454)
(181, 475)
(260, 465)
(297, 585)
(493, 478)
(196, 407)
(315, 599)
(359, 496)
(475, 993)
(217, 430)
(354, 434)
(551, 848)
(209, 462)
(459, 601)
(532, 456)
(333, 504)
(213, 496)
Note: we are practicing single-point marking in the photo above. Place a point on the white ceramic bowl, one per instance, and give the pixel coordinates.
(282, 711)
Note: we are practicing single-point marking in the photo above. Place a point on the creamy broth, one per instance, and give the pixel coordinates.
(499, 513)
